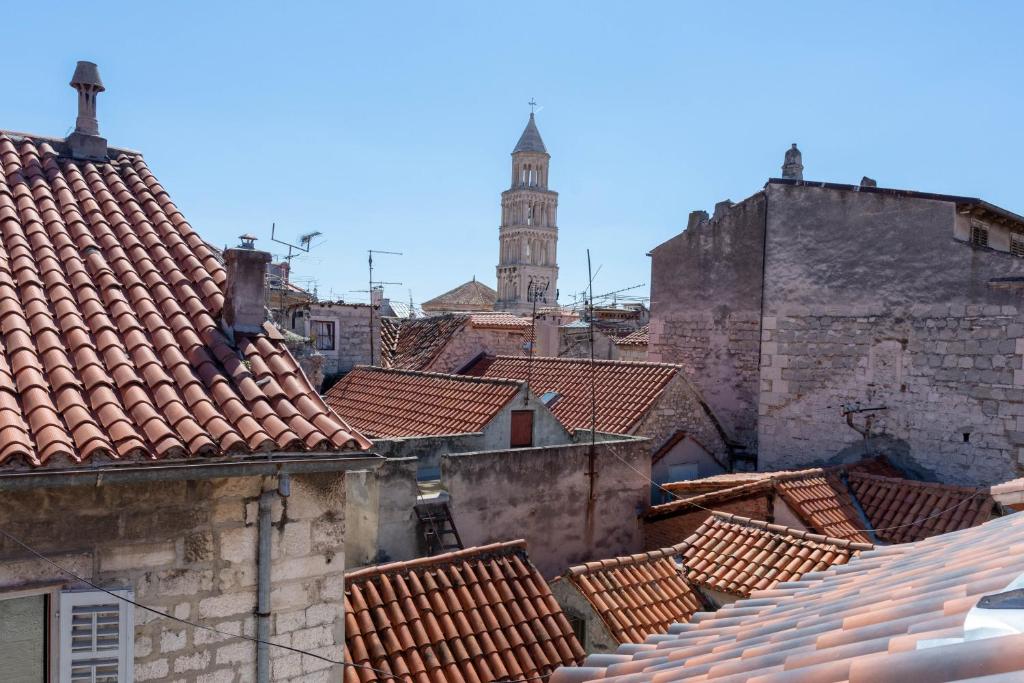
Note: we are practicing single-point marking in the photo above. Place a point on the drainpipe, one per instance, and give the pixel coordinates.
(265, 526)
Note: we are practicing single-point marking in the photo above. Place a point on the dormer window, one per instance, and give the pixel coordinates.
(1017, 244)
(979, 235)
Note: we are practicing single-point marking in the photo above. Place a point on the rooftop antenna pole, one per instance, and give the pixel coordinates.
(370, 253)
(303, 246)
(593, 380)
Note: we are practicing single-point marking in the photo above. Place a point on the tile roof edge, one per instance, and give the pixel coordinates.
(473, 379)
(621, 561)
(501, 548)
(921, 484)
(597, 361)
(18, 135)
(787, 531)
(665, 509)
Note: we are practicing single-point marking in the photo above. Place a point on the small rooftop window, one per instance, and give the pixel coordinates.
(550, 398)
(979, 235)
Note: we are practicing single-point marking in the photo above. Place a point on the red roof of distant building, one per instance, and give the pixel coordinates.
(625, 390)
(482, 614)
(394, 403)
(109, 310)
(637, 338)
(414, 344)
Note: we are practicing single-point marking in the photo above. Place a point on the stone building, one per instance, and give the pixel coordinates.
(469, 297)
(447, 343)
(528, 238)
(158, 442)
(824, 321)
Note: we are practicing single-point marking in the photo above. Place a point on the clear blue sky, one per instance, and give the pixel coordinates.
(389, 125)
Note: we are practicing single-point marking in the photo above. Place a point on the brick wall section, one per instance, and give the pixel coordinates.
(665, 530)
(469, 342)
(189, 549)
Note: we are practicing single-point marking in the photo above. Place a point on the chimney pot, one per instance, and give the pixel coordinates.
(85, 142)
(868, 182)
(793, 164)
(247, 241)
(245, 298)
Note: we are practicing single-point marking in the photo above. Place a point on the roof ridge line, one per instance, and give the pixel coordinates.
(622, 560)
(501, 548)
(596, 361)
(915, 482)
(443, 375)
(695, 501)
(782, 530)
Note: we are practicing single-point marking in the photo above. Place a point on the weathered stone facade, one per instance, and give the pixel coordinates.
(189, 548)
(471, 341)
(901, 302)
(351, 326)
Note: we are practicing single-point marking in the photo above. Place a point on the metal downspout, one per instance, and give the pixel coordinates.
(266, 524)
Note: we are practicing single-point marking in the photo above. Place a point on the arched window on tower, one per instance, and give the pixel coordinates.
(529, 215)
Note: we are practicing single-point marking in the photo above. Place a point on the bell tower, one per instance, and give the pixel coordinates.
(528, 237)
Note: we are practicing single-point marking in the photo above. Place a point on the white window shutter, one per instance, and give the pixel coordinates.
(96, 635)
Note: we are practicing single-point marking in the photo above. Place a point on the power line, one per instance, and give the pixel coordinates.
(193, 624)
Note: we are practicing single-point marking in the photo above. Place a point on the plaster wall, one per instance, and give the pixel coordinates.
(190, 549)
(705, 311)
(872, 299)
(541, 494)
(379, 518)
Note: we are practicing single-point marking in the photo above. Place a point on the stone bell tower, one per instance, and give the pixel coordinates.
(528, 237)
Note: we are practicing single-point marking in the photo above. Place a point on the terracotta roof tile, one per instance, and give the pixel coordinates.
(481, 614)
(638, 338)
(469, 296)
(418, 341)
(385, 403)
(499, 321)
(738, 555)
(821, 500)
(901, 510)
(636, 595)
(625, 390)
(862, 622)
(109, 309)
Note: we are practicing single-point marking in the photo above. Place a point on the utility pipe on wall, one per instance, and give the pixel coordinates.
(265, 524)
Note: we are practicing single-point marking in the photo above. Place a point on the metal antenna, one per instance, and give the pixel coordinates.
(370, 253)
(303, 246)
(593, 380)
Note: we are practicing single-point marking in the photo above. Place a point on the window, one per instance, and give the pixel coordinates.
(550, 398)
(578, 625)
(522, 429)
(1017, 244)
(979, 235)
(23, 629)
(95, 637)
(323, 335)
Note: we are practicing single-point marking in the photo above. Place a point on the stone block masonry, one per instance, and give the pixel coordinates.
(189, 549)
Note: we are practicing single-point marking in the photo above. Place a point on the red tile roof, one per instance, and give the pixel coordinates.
(625, 390)
(737, 555)
(469, 296)
(901, 510)
(824, 504)
(499, 321)
(109, 309)
(418, 341)
(636, 595)
(864, 622)
(383, 403)
(481, 614)
(637, 338)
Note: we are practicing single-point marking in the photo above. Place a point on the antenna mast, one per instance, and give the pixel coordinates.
(303, 246)
(370, 253)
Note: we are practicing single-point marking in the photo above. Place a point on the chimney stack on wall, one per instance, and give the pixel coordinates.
(245, 298)
(85, 142)
(696, 218)
(793, 165)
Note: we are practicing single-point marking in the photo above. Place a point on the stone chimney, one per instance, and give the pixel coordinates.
(696, 218)
(868, 182)
(245, 296)
(85, 142)
(793, 166)
(722, 208)
(376, 296)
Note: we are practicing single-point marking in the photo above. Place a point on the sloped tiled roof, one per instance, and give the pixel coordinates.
(625, 390)
(499, 321)
(530, 140)
(901, 510)
(636, 595)
(865, 622)
(385, 403)
(481, 614)
(638, 338)
(469, 296)
(738, 555)
(413, 344)
(109, 310)
(824, 504)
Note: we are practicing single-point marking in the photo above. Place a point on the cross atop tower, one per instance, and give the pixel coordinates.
(533, 104)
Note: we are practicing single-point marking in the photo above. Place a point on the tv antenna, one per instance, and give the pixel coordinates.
(370, 253)
(294, 250)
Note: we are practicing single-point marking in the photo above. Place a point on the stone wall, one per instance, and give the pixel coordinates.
(705, 310)
(189, 549)
(597, 637)
(680, 408)
(380, 524)
(541, 494)
(470, 342)
(352, 334)
(870, 301)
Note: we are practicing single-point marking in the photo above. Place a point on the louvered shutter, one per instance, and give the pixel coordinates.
(96, 632)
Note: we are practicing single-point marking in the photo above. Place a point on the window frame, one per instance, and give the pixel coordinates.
(512, 428)
(315, 329)
(51, 594)
(68, 599)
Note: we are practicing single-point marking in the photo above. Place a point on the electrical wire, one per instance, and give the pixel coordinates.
(193, 624)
